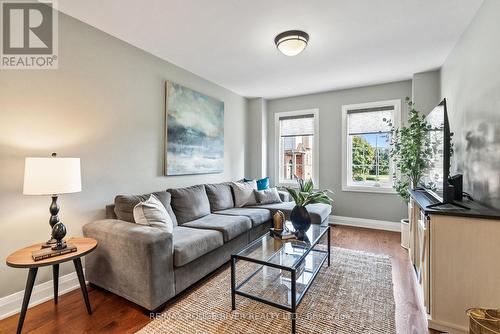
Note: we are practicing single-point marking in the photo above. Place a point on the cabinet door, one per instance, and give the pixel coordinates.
(423, 259)
(419, 242)
(414, 213)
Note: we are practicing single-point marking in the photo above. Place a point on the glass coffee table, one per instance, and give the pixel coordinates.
(285, 271)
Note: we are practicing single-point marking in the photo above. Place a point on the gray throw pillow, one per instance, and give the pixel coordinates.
(124, 205)
(152, 213)
(267, 196)
(220, 196)
(189, 203)
(244, 193)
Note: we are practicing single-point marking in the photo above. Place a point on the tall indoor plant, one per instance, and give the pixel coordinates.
(412, 151)
(303, 196)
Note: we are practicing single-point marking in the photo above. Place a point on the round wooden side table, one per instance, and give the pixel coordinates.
(22, 259)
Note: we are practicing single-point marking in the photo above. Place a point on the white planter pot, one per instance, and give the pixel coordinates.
(405, 233)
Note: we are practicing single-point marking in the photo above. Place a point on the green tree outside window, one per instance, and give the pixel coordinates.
(363, 155)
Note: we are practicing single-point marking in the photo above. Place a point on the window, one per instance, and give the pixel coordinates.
(297, 146)
(366, 165)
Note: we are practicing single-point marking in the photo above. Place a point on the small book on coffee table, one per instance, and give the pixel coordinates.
(283, 235)
(46, 253)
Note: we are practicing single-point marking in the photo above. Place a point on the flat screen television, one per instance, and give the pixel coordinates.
(434, 177)
(437, 178)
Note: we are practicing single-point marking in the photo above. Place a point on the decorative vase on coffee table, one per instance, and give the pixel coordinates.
(301, 220)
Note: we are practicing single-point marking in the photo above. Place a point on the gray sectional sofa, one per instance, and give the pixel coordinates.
(148, 266)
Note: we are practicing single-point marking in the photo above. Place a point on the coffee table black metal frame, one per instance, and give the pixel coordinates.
(295, 300)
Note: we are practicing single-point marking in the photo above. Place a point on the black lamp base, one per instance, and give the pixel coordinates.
(54, 219)
(58, 233)
(59, 246)
(56, 241)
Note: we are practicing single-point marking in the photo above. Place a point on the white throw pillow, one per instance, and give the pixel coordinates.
(152, 213)
(267, 196)
(244, 193)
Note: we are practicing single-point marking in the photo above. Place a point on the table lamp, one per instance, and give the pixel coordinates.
(52, 176)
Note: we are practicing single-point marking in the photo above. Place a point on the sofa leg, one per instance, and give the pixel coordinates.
(93, 286)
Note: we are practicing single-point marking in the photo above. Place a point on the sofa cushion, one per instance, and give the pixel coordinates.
(319, 212)
(267, 196)
(191, 243)
(244, 193)
(257, 216)
(189, 203)
(230, 226)
(284, 196)
(220, 196)
(124, 205)
(263, 184)
(153, 213)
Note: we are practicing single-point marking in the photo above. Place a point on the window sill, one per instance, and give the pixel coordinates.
(294, 185)
(291, 184)
(367, 189)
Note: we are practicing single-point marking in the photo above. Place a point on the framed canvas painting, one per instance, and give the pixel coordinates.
(194, 138)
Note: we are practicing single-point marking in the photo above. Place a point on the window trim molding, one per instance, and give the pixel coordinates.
(397, 122)
(278, 148)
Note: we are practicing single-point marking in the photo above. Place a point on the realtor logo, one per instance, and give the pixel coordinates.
(29, 35)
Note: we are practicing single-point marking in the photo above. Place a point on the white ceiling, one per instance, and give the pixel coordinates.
(231, 42)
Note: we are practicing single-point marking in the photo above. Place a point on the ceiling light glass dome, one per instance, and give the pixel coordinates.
(291, 42)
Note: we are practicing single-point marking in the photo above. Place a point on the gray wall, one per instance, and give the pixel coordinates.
(426, 90)
(105, 104)
(256, 151)
(351, 204)
(470, 81)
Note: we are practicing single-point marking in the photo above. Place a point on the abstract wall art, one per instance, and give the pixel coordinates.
(194, 135)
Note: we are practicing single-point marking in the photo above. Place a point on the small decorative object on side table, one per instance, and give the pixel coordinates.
(23, 259)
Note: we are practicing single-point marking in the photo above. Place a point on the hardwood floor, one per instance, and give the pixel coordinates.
(113, 314)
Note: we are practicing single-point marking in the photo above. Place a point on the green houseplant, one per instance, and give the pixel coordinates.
(303, 196)
(412, 151)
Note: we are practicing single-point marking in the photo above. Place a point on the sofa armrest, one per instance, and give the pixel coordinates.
(134, 261)
(284, 195)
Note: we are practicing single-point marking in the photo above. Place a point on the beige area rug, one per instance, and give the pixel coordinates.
(353, 295)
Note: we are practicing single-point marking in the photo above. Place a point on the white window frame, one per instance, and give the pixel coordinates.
(278, 148)
(346, 152)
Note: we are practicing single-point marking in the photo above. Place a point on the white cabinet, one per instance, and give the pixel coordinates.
(457, 261)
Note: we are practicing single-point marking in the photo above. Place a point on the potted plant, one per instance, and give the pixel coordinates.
(303, 196)
(412, 151)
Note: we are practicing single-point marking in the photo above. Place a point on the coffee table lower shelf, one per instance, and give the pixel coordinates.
(279, 286)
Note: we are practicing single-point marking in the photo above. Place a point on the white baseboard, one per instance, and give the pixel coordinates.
(447, 327)
(366, 223)
(11, 304)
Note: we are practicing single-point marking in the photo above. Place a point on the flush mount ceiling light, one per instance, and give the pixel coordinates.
(291, 42)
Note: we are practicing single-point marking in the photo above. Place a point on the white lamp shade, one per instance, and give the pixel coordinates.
(52, 176)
